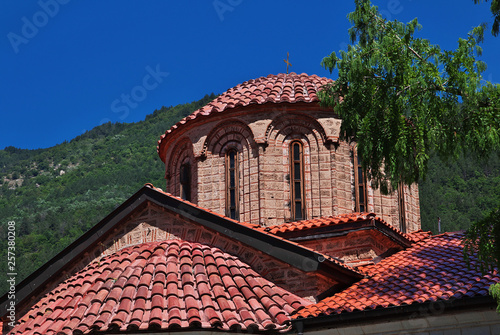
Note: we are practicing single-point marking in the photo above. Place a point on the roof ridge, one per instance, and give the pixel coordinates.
(261, 230)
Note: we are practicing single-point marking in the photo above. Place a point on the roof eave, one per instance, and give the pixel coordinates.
(372, 315)
(343, 229)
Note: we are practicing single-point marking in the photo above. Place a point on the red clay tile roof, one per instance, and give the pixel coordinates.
(320, 222)
(431, 270)
(418, 235)
(280, 88)
(158, 286)
(339, 220)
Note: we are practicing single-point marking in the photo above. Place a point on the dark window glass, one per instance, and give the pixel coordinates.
(185, 182)
(360, 188)
(296, 150)
(298, 212)
(296, 171)
(298, 191)
(402, 209)
(232, 192)
(297, 181)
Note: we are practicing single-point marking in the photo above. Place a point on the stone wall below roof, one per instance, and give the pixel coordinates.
(356, 248)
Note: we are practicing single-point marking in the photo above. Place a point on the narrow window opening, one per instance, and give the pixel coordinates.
(360, 185)
(402, 209)
(297, 181)
(185, 181)
(232, 190)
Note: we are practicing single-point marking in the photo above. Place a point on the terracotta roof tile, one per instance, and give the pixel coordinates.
(432, 269)
(290, 88)
(339, 220)
(418, 235)
(319, 222)
(199, 286)
(266, 230)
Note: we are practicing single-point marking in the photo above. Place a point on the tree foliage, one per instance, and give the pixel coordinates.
(482, 240)
(458, 192)
(495, 11)
(403, 98)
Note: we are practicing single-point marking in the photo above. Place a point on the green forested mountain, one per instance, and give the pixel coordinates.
(459, 192)
(54, 195)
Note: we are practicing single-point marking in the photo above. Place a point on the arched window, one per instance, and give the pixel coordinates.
(360, 189)
(297, 202)
(232, 189)
(185, 181)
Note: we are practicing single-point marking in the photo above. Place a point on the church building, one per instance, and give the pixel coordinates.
(266, 224)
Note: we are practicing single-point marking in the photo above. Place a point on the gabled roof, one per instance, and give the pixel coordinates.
(283, 249)
(429, 271)
(297, 256)
(273, 89)
(162, 286)
(343, 224)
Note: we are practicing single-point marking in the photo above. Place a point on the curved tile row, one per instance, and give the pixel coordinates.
(162, 285)
(280, 88)
(430, 270)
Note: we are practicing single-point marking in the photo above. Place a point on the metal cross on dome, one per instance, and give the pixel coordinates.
(287, 62)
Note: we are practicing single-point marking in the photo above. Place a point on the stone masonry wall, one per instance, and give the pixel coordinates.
(154, 223)
(262, 136)
(356, 248)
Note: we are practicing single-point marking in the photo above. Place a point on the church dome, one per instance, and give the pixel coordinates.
(266, 152)
(280, 88)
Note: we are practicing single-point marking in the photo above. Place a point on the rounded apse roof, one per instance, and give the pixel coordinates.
(280, 88)
(132, 288)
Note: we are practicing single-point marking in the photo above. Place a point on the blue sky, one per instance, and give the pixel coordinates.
(67, 66)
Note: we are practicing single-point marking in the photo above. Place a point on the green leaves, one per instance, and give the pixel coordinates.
(401, 97)
(495, 10)
(481, 240)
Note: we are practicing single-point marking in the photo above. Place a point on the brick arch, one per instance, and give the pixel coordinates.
(283, 142)
(224, 136)
(182, 152)
(286, 124)
(181, 149)
(225, 131)
(317, 184)
(230, 144)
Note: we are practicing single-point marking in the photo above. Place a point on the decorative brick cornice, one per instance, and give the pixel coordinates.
(274, 89)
